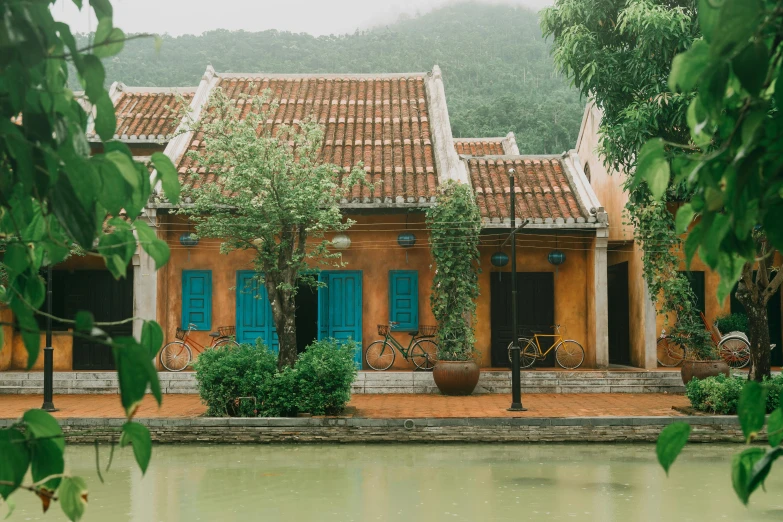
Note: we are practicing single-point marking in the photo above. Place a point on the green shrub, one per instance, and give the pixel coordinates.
(721, 394)
(223, 375)
(319, 383)
(732, 323)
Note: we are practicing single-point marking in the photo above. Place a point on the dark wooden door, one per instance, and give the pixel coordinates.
(619, 317)
(109, 300)
(773, 321)
(535, 311)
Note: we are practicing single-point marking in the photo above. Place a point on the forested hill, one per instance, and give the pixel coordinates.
(497, 69)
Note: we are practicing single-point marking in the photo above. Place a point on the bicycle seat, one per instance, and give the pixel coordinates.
(215, 334)
(413, 333)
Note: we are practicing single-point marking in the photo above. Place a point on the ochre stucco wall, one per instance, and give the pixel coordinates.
(62, 342)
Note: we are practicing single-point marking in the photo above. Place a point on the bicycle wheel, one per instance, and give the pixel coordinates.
(735, 351)
(226, 342)
(669, 353)
(527, 352)
(175, 356)
(424, 354)
(569, 354)
(380, 355)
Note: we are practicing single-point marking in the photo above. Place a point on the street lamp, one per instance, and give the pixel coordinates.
(516, 385)
(48, 405)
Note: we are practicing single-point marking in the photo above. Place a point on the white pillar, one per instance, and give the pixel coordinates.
(601, 299)
(145, 281)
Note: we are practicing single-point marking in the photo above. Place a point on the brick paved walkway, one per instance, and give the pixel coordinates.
(381, 406)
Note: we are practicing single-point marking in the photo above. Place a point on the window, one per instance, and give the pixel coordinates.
(696, 279)
(197, 299)
(404, 299)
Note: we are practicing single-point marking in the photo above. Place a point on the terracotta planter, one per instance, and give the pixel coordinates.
(700, 369)
(456, 377)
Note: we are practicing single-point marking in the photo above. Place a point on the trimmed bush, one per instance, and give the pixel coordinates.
(223, 375)
(735, 322)
(721, 394)
(319, 383)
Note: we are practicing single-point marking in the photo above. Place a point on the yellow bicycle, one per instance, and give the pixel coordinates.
(569, 354)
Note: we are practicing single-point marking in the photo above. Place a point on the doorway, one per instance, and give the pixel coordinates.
(535, 312)
(306, 316)
(619, 315)
(773, 321)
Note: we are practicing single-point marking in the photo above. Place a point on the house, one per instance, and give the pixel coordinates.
(628, 297)
(397, 125)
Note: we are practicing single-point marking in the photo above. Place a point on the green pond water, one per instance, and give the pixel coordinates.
(414, 482)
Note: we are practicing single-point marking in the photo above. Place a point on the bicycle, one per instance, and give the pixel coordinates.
(569, 354)
(177, 355)
(669, 353)
(423, 351)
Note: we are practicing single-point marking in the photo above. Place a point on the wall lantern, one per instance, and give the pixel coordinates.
(406, 239)
(341, 242)
(188, 239)
(556, 257)
(499, 259)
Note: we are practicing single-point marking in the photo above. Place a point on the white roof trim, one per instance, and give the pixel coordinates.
(585, 195)
(510, 144)
(447, 161)
(330, 76)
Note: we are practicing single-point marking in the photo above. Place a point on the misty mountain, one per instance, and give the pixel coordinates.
(497, 69)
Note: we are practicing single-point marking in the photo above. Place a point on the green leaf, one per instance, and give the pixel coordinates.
(135, 371)
(708, 17)
(772, 220)
(105, 121)
(653, 167)
(737, 21)
(684, 218)
(117, 249)
(42, 425)
(14, 461)
(688, 67)
(16, 258)
(156, 248)
(84, 321)
(775, 427)
(73, 497)
(108, 40)
(761, 469)
(126, 167)
(139, 437)
(168, 176)
(28, 328)
(752, 408)
(751, 66)
(779, 89)
(742, 470)
(151, 337)
(77, 220)
(670, 443)
(115, 191)
(47, 460)
(102, 9)
(93, 77)
(11, 507)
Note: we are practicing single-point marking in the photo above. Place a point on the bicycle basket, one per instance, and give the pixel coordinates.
(227, 331)
(427, 330)
(180, 334)
(383, 329)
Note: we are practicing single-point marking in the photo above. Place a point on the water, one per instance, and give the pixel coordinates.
(414, 482)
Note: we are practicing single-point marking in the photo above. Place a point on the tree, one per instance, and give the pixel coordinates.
(620, 53)
(273, 195)
(55, 197)
(730, 162)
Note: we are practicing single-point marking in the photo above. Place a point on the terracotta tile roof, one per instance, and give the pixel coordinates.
(542, 188)
(382, 121)
(148, 114)
(480, 147)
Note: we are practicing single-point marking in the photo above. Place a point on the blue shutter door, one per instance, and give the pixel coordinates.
(254, 313)
(404, 299)
(340, 307)
(197, 299)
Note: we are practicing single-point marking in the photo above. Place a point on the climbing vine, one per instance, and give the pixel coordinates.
(455, 224)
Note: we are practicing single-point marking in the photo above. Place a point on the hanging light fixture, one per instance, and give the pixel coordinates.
(556, 257)
(499, 259)
(406, 239)
(188, 239)
(341, 242)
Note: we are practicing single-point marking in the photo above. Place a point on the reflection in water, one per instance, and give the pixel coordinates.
(410, 483)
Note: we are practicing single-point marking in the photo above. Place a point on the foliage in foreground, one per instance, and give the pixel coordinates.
(57, 197)
(455, 224)
(245, 382)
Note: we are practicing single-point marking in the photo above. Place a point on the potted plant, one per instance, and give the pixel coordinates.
(455, 286)
(701, 355)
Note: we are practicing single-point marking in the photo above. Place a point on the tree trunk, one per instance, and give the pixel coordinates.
(756, 309)
(284, 314)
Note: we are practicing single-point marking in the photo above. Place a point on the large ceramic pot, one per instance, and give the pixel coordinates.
(456, 377)
(692, 369)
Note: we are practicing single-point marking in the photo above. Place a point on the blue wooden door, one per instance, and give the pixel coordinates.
(340, 307)
(254, 313)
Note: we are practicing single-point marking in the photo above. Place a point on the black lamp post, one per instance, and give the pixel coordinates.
(516, 385)
(48, 405)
